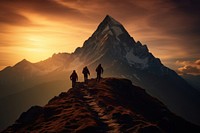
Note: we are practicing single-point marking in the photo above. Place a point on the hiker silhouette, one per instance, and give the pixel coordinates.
(74, 78)
(99, 71)
(86, 72)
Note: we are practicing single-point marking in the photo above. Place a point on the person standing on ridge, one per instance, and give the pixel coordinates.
(74, 78)
(86, 72)
(99, 71)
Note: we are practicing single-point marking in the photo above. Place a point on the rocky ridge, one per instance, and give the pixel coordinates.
(112, 105)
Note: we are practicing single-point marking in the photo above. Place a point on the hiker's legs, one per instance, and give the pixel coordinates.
(98, 77)
(73, 84)
(85, 79)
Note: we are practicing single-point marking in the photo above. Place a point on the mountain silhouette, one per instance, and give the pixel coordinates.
(120, 55)
(113, 105)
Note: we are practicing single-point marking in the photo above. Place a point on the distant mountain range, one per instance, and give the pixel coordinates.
(120, 55)
(194, 80)
(109, 106)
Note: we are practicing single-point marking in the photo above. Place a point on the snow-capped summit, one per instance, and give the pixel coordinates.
(111, 40)
(110, 26)
(111, 20)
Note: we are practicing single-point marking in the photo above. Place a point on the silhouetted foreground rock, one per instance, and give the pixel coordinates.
(112, 105)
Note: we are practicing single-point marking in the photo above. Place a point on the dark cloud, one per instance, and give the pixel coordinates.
(190, 10)
(125, 9)
(191, 7)
(178, 20)
(46, 6)
(175, 22)
(119, 9)
(10, 16)
(12, 11)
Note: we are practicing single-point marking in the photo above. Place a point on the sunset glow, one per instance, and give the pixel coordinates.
(36, 29)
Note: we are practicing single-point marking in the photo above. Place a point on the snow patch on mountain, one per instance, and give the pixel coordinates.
(112, 30)
(136, 77)
(133, 59)
(106, 29)
(113, 21)
(117, 30)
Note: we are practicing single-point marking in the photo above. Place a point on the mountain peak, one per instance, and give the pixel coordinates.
(108, 16)
(109, 27)
(23, 62)
(110, 20)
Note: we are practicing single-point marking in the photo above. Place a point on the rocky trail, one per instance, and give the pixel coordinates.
(113, 126)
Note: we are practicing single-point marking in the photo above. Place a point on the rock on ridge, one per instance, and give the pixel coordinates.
(113, 105)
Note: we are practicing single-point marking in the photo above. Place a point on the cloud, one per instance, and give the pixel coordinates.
(118, 9)
(190, 7)
(7, 58)
(197, 62)
(189, 67)
(177, 17)
(12, 11)
(178, 20)
(170, 28)
(12, 17)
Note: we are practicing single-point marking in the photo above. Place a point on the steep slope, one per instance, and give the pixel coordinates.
(22, 85)
(113, 105)
(13, 105)
(112, 42)
(121, 56)
(194, 80)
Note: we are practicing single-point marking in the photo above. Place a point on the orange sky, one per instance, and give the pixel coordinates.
(35, 29)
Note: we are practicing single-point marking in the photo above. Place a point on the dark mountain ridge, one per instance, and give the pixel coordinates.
(120, 55)
(113, 105)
